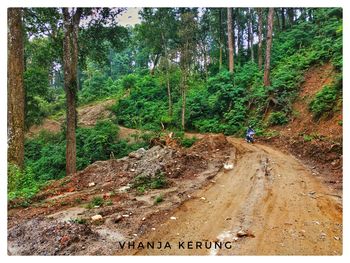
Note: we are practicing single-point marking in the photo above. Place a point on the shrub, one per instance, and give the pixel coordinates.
(323, 102)
(45, 154)
(21, 184)
(96, 201)
(188, 142)
(143, 183)
(158, 199)
(278, 118)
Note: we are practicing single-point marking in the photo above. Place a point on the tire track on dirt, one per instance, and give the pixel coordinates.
(269, 204)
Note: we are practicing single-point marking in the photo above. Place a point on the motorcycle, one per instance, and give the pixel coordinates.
(250, 138)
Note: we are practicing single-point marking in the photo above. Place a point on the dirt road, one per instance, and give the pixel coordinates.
(268, 204)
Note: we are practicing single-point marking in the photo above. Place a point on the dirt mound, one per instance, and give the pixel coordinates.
(47, 125)
(126, 211)
(172, 162)
(90, 114)
(48, 237)
(210, 143)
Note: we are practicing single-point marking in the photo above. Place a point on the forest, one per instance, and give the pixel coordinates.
(180, 70)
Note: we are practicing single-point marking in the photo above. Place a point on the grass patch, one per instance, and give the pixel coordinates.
(96, 201)
(143, 183)
(158, 199)
(81, 221)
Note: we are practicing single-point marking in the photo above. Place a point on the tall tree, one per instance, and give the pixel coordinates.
(220, 38)
(239, 31)
(290, 15)
(260, 38)
(230, 39)
(251, 25)
(187, 46)
(268, 47)
(15, 87)
(283, 17)
(71, 20)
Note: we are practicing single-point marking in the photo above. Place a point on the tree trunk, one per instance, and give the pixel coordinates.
(238, 32)
(70, 65)
(283, 18)
(260, 38)
(15, 87)
(183, 94)
(169, 97)
(278, 21)
(230, 40)
(155, 63)
(170, 109)
(220, 39)
(268, 48)
(290, 14)
(251, 34)
(309, 14)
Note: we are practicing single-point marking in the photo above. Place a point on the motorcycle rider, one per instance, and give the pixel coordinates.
(249, 134)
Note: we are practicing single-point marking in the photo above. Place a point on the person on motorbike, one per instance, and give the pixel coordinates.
(249, 135)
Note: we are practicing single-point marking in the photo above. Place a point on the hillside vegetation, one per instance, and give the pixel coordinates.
(217, 100)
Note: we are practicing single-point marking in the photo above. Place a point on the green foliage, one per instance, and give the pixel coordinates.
(21, 184)
(143, 183)
(81, 221)
(188, 142)
(146, 105)
(308, 138)
(96, 201)
(323, 102)
(45, 154)
(158, 199)
(278, 118)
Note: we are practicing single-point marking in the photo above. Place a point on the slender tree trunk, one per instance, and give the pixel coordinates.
(15, 87)
(220, 39)
(230, 40)
(238, 31)
(70, 65)
(170, 109)
(183, 95)
(251, 34)
(309, 14)
(290, 14)
(248, 34)
(169, 97)
(278, 20)
(283, 17)
(155, 63)
(268, 48)
(260, 60)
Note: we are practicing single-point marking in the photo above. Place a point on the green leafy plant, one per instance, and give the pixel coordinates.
(324, 102)
(143, 183)
(278, 118)
(96, 201)
(158, 199)
(21, 183)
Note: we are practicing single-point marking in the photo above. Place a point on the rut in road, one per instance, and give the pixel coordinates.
(269, 198)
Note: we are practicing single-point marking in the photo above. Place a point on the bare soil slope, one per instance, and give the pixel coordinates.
(302, 123)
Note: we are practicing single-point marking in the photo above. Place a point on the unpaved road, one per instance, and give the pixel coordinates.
(270, 195)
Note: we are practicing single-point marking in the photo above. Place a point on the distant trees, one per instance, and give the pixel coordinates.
(15, 87)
